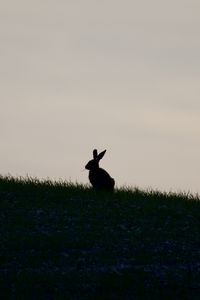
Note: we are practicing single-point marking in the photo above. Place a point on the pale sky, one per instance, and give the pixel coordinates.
(118, 75)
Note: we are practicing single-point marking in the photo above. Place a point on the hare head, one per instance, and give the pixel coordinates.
(94, 163)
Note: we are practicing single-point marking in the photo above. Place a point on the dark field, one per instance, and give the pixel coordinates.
(64, 241)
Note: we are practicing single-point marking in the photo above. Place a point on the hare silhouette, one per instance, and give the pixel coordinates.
(99, 178)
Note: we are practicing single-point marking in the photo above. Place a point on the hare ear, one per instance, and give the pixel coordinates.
(101, 155)
(95, 154)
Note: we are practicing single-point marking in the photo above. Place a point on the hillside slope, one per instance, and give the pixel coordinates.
(64, 241)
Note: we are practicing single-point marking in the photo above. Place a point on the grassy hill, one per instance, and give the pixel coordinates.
(65, 241)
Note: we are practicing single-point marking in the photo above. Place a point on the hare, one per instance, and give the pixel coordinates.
(98, 177)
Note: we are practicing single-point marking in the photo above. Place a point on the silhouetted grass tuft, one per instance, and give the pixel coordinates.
(61, 240)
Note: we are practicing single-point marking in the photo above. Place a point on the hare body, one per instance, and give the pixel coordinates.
(99, 178)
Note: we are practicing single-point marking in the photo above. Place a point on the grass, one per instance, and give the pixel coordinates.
(65, 241)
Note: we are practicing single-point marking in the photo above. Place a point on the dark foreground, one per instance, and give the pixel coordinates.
(60, 241)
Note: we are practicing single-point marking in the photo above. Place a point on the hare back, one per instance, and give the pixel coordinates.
(101, 180)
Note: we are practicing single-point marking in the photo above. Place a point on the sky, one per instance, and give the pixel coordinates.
(118, 75)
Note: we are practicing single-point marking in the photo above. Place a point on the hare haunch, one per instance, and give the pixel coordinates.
(98, 177)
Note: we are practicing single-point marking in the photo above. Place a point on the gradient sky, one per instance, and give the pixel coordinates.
(118, 75)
